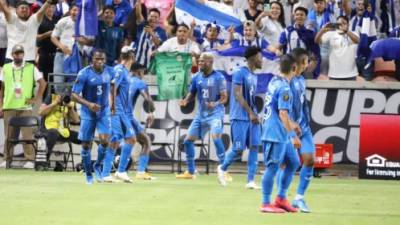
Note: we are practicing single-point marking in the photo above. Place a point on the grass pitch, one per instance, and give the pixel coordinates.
(49, 198)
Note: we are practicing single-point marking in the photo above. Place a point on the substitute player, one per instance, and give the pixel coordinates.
(245, 123)
(121, 125)
(92, 90)
(210, 88)
(138, 87)
(278, 130)
(302, 114)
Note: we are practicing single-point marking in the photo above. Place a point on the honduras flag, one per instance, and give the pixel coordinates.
(388, 49)
(188, 10)
(86, 23)
(72, 64)
(367, 35)
(227, 61)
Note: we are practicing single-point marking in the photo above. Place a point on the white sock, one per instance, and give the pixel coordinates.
(298, 197)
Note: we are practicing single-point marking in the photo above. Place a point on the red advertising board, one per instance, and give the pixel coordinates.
(379, 156)
(323, 156)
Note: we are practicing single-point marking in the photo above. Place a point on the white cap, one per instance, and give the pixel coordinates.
(127, 49)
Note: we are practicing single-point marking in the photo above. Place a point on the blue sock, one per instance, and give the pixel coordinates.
(87, 161)
(189, 148)
(279, 177)
(252, 163)
(219, 144)
(108, 161)
(125, 156)
(268, 181)
(101, 152)
(306, 174)
(143, 162)
(230, 156)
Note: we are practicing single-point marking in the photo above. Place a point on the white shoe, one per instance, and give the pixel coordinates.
(123, 176)
(3, 164)
(252, 185)
(29, 165)
(109, 179)
(221, 176)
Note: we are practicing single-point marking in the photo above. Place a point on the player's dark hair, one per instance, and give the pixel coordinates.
(155, 10)
(98, 51)
(298, 53)
(251, 51)
(286, 63)
(301, 8)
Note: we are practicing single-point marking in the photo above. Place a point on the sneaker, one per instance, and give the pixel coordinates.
(123, 176)
(144, 176)
(252, 185)
(89, 180)
(3, 164)
(301, 205)
(29, 165)
(269, 208)
(221, 176)
(284, 204)
(186, 175)
(109, 179)
(228, 177)
(97, 173)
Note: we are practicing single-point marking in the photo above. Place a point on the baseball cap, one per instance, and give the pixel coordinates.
(17, 48)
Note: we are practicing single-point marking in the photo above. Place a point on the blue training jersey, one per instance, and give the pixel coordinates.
(136, 86)
(95, 87)
(301, 113)
(278, 97)
(121, 83)
(208, 89)
(245, 78)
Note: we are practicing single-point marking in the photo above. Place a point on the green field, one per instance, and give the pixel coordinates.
(49, 198)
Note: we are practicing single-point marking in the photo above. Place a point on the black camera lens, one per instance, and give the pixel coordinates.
(66, 99)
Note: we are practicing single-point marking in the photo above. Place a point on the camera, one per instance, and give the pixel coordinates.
(66, 99)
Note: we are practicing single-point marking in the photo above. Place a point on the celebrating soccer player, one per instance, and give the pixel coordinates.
(278, 130)
(302, 116)
(94, 82)
(138, 87)
(210, 87)
(121, 124)
(245, 123)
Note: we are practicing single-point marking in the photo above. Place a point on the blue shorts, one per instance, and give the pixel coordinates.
(121, 128)
(245, 133)
(307, 143)
(137, 127)
(87, 129)
(199, 127)
(274, 152)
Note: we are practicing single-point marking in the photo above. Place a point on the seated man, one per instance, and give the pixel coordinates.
(57, 112)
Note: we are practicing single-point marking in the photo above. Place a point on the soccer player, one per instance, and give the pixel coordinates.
(138, 87)
(121, 124)
(302, 115)
(278, 130)
(245, 123)
(92, 90)
(210, 88)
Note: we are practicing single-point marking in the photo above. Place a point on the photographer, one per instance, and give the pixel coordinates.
(343, 49)
(57, 111)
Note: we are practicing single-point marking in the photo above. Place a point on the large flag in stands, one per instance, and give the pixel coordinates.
(188, 10)
(229, 60)
(86, 23)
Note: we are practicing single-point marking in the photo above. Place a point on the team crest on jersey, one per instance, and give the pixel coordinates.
(179, 58)
(286, 97)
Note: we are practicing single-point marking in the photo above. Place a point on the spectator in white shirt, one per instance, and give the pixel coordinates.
(343, 49)
(272, 23)
(22, 28)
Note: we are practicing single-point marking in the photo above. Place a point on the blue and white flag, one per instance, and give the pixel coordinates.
(73, 63)
(229, 60)
(87, 22)
(188, 10)
(367, 35)
(388, 49)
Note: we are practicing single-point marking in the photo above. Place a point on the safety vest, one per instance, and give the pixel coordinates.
(24, 77)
